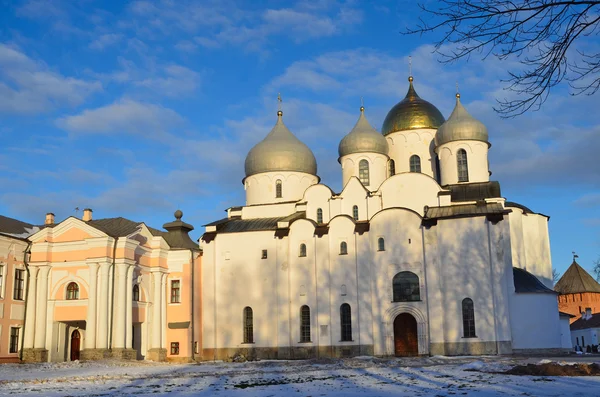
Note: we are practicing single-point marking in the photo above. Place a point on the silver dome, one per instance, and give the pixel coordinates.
(280, 151)
(363, 139)
(461, 126)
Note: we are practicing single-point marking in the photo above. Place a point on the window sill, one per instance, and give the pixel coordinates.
(309, 341)
(346, 341)
(420, 300)
(343, 254)
(174, 303)
(247, 343)
(469, 337)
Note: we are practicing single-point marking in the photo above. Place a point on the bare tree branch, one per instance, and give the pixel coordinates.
(542, 34)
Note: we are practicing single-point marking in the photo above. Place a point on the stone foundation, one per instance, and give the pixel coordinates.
(95, 354)
(35, 355)
(157, 355)
(286, 353)
(542, 352)
(470, 348)
(124, 354)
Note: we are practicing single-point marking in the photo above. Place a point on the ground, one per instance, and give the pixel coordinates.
(363, 376)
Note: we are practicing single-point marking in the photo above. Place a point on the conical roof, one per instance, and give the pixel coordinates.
(461, 126)
(280, 151)
(576, 280)
(363, 138)
(411, 113)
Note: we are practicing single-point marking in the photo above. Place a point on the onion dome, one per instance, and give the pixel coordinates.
(461, 126)
(280, 151)
(363, 139)
(412, 113)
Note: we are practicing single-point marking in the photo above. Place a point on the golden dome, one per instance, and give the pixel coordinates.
(412, 113)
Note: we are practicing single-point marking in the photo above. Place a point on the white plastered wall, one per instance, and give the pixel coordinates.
(404, 144)
(477, 161)
(377, 168)
(535, 321)
(260, 188)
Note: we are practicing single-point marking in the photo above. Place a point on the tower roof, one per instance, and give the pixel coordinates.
(461, 126)
(411, 113)
(280, 151)
(576, 280)
(363, 138)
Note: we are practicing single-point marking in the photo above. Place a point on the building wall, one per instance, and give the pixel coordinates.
(477, 161)
(403, 144)
(12, 251)
(260, 188)
(565, 333)
(575, 304)
(535, 321)
(585, 337)
(378, 164)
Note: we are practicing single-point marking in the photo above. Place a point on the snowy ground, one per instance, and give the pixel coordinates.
(435, 376)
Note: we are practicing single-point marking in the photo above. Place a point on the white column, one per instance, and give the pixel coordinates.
(156, 312)
(129, 309)
(163, 311)
(30, 323)
(90, 321)
(103, 287)
(120, 306)
(41, 308)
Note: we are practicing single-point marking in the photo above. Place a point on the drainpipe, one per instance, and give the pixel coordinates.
(112, 300)
(192, 316)
(26, 300)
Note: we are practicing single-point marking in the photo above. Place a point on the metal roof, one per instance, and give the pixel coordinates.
(576, 280)
(464, 210)
(461, 126)
(238, 225)
(474, 191)
(363, 139)
(581, 323)
(526, 282)
(16, 228)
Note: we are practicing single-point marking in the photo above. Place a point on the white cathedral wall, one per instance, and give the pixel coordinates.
(410, 190)
(318, 196)
(377, 168)
(268, 211)
(404, 144)
(535, 321)
(260, 188)
(477, 161)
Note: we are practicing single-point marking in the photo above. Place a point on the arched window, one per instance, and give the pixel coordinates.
(415, 163)
(248, 325)
(463, 169)
(304, 324)
(363, 172)
(319, 215)
(346, 322)
(278, 189)
(468, 314)
(406, 287)
(392, 167)
(355, 212)
(343, 248)
(380, 244)
(136, 293)
(302, 250)
(72, 291)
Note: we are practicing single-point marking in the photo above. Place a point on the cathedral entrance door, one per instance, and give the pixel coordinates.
(75, 339)
(406, 342)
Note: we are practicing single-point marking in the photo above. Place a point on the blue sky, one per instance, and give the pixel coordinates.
(138, 108)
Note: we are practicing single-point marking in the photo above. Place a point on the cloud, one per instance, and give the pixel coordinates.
(589, 200)
(123, 116)
(29, 87)
(177, 80)
(105, 40)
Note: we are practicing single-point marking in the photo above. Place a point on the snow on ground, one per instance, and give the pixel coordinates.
(364, 376)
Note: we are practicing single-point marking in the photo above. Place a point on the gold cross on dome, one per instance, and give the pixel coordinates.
(279, 101)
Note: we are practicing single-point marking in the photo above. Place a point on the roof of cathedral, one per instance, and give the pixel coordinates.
(474, 191)
(237, 225)
(16, 228)
(280, 151)
(464, 210)
(363, 138)
(461, 126)
(411, 113)
(582, 323)
(576, 280)
(526, 282)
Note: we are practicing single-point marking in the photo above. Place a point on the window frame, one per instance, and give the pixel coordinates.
(302, 251)
(468, 318)
(72, 291)
(415, 163)
(391, 168)
(345, 323)
(401, 282)
(135, 293)
(305, 334)
(2, 280)
(380, 244)
(355, 213)
(14, 340)
(462, 165)
(278, 188)
(319, 215)
(343, 248)
(248, 325)
(264, 254)
(364, 174)
(172, 290)
(19, 285)
(174, 348)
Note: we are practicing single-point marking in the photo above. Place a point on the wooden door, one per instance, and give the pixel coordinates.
(75, 345)
(406, 342)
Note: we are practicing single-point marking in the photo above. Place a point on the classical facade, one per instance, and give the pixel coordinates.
(112, 288)
(578, 292)
(418, 254)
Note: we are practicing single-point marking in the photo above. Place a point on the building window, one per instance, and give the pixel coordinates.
(248, 325)
(463, 169)
(304, 324)
(302, 250)
(175, 292)
(264, 254)
(136, 293)
(19, 284)
(468, 313)
(346, 322)
(319, 215)
(343, 248)
(174, 348)
(392, 167)
(415, 163)
(14, 340)
(278, 189)
(380, 244)
(355, 212)
(2, 267)
(363, 172)
(72, 291)
(406, 287)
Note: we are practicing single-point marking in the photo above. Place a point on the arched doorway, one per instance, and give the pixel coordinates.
(406, 342)
(75, 345)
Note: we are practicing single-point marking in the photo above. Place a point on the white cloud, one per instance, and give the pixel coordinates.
(105, 40)
(29, 87)
(177, 80)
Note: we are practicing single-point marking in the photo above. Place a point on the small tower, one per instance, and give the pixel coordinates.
(461, 144)
(364, 154)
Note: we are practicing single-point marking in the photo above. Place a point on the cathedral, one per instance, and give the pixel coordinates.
(419, 254)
